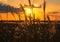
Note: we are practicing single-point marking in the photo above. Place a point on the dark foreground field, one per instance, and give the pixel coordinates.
(11, 32)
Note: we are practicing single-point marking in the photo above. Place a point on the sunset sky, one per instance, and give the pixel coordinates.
(51, 5)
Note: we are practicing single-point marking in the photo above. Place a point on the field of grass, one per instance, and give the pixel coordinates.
(36, 32)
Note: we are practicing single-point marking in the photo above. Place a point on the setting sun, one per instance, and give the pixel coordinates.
(28, 11)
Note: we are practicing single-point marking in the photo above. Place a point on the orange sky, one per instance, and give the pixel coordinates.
(38, 15)
(52, 5)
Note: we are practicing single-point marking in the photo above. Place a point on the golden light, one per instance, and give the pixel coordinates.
(36, 5)
(0, 0)
(28, 11)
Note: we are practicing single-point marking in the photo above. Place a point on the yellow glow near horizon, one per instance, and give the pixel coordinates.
(28, 11)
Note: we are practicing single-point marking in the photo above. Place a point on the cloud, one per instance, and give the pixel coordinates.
(54, 12)
(7, 8)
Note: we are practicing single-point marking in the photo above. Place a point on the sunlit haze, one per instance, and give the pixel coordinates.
(51, 6)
